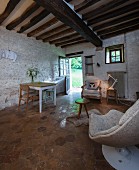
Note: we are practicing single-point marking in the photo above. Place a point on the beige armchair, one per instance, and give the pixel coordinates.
(118, 133)
(92, 89)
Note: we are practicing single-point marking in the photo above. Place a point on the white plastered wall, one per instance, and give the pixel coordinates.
(130, 67)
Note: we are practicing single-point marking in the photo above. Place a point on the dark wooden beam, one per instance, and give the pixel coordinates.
(123, 31)
(126, 18)
(118, 27)
(74, 43)
(32, 8)
(9, 8)
(70, 41)
(60, 34)
(68, 37)
(52, 32)
(85, 4)
(66, 15)
(42, 27)
(116, 13)
(103, 9)
(34, 21)
(68, 0)
(75, 53)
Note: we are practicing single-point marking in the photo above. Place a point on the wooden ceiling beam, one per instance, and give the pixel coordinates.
(66, 15)
(123, 31)
(103, 9)
(34, 21)
(52, 32)
(68, 0)
(117, 21)
(85, 4)
(60, 34)
(69, 41)
(75, 53)
(9, 8)
(118, 27)
(31, 9)
(68, 37)
(42, 27)
(116, 13)
(74, 43)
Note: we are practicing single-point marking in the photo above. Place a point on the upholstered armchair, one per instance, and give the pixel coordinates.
(116, 131)
(92, 89)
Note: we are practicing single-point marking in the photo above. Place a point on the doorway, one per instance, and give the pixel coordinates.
(76, 73)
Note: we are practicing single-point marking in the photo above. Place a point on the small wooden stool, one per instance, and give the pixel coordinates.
(82, 101)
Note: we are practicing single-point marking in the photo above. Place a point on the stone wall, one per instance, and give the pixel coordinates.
(30, 53)
(130, 67)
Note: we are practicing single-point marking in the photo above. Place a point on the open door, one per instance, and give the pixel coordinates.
(64, 70)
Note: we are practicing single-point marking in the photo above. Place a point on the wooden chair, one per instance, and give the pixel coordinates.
(26, 95)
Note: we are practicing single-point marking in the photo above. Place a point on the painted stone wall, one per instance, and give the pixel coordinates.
(130, 67)
(30, 53)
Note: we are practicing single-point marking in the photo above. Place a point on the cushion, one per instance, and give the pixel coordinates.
(92, 85)
(87, 92)
(129, 112)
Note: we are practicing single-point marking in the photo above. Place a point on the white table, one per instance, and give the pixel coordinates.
(43, 86)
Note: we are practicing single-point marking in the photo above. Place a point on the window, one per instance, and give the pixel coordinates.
(64, 66)
(114, 54)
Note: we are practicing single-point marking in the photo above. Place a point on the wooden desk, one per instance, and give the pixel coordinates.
(42, 86)
(112, 94)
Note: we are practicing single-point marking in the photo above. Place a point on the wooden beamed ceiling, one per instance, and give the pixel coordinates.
(56, 23)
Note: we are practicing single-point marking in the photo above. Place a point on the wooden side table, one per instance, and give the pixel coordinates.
(112, 94)
(82, 101)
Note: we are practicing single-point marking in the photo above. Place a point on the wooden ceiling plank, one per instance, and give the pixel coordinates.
(9, 8)
(71, 41)
(34, 21)
(116, 33)
(128, 8)
(42, 27)
(68, 37)
(31, 9)
(103, 9)
(66, 15)
(118, 27)
(117, 21)
(52, 32)
(74, 43)
(85, 4)
(60, 34)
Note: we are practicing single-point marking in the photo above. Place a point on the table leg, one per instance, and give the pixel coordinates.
(80, 108)
(40, 100)
(55, 95)
(86, 110)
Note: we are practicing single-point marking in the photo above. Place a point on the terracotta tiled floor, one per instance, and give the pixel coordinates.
(30, 141)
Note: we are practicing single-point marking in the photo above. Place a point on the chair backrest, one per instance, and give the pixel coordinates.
(92, 84)
(24, 89)
(129, 113)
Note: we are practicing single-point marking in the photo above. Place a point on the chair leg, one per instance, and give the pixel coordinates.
(86, 110)
(19, 104)
(26, 105)
(80, 108)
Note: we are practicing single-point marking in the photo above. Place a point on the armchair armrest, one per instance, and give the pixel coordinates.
(98, 123)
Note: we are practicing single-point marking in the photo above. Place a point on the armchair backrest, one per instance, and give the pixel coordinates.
(92, 84)
(129, 113)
